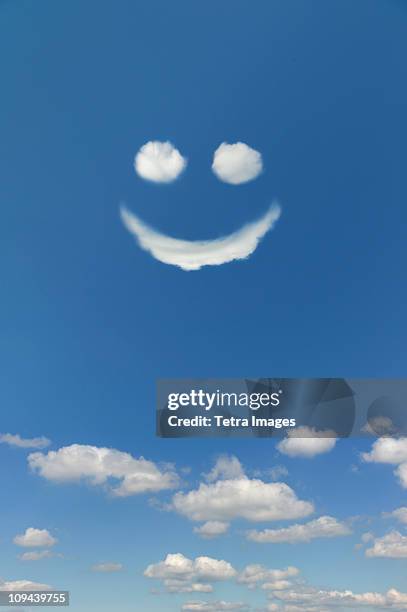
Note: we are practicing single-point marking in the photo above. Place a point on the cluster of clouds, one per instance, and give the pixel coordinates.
(182, 575)
(226, 493)
(161, 162)
(310, 599)
(35, 538)
(285, 589)
(236, 163)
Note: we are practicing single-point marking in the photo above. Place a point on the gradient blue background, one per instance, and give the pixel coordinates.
(89, 321)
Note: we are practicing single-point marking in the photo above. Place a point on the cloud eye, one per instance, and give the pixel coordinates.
(236, 163)
(159, 162)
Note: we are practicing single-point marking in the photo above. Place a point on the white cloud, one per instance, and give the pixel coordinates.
(23, 585)
(393, 545)
(213, 606)
(278, 471)
(35, 538)
(36, 555)
(17, 440)
(182, 575)
(253, 500)
(193, 255)
(212, 529)
(236, 163)
(159, 162)
(307, 442)
(227, 467)
(107, 568)
(100, 466)
(387, 450)
(306, 598)
(392, 451)
(399, 514)
(323, 527)
(254, 574)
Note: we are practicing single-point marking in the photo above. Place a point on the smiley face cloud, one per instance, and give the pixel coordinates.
(161, 162)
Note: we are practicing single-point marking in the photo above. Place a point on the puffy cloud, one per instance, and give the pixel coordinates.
(36, 555)
(18, 441)
(254, 574)
(226, 467)
(307, 442)
(23, 585)
(35, 538)
(213, 606)
(193, 255)
(107, 568)
(182, 575)
(253, 500)
(392, 451)
(399, 514)
(159, 162)
(387, 450)
(323, 527)
(100, 466)
(392, 545)
(212, 529)
(236, 163)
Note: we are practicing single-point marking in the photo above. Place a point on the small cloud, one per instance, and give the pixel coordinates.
(227, 467)
(307, 442)
(107, 568)
(400, 514)
(35, 538)
(36, 555)
(17, 441)
(323, 527)
(392, 451)
(212, 529)
(23, 585)
(278, 471)
(367, 537)
(393, 545)
(236, 163)
(214, 606)
(159, 162)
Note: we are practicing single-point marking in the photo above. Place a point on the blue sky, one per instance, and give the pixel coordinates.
(90, 321)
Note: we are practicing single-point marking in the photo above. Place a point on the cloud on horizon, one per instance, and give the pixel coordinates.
(194, 254)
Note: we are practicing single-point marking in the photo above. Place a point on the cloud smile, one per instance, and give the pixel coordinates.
(193, 255)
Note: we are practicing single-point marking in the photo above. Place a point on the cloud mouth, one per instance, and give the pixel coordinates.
(194, 254)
